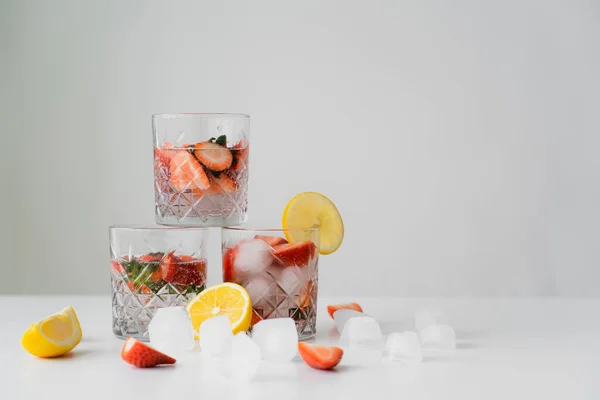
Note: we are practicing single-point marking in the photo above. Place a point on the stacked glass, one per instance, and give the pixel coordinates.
(201, 164)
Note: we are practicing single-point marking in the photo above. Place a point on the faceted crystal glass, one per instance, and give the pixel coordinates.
(280, 277)
(201, 168)
(151, 268)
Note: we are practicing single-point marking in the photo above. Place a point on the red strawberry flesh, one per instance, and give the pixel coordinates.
(347, 306)
(271, 240)
(141, 355)
(298, 254)
(320, 357)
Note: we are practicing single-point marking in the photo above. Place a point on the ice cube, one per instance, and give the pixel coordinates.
(257, 287)
(215, 336)
(170, 330)
(253, 256)
(438, 340)
(277, 339)
(403, 347)
(291, 279)
(362, 333)
(340, 317)
(429, 316)
(245, 357)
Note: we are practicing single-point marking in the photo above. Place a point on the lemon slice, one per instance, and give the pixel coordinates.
(53, 336)
(314, 209)
(224, 299)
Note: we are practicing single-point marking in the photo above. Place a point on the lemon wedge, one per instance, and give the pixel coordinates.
(224, 299)
(310, 209)
(53, 336)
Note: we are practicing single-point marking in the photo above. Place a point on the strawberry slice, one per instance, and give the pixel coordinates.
(228, 271)
(169, 266)
(141, 355)
(222, 184)
(187, 173)
(240, 157)
(320, 357)
(117, 267)
(182, 272)
(347, 306)
(187, 275)
(146, 258)
(271, 240)
(139, 288)
(213, 156)
(297, 254)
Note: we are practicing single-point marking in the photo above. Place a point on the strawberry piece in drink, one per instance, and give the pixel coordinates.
(298, 254)
(187, 173)
(228, 259)
(213, 156)
(271, 240)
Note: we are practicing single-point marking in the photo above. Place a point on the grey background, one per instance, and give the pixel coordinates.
(458, 139)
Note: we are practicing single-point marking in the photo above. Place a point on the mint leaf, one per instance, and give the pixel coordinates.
(222, 140)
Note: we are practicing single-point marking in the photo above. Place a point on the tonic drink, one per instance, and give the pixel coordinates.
(280, 277)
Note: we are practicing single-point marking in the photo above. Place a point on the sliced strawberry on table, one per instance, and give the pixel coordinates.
(187, 173)
(228, 271)
(141, 355)
(297, 254)
(347, 306)
(320, 357)
(213, 156)
(271, 240)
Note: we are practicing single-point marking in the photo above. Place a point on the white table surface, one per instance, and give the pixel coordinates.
(507, 349)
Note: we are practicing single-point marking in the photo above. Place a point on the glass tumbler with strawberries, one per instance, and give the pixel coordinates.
(281, 276)
(151, 268)
(201, 168)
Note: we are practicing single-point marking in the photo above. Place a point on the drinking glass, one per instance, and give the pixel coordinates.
(280, 277)
(153, 267)
(201, 168)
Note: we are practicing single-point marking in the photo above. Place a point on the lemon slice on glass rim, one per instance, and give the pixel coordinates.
(312, 209)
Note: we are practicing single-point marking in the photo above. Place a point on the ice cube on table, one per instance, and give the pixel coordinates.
(429, 316)
(253, 256)
(215, 336)
(245, 357)
(362, 332)
(170, 330)
(340, 317)
(277, 339)
(404, 347)
(437, 340)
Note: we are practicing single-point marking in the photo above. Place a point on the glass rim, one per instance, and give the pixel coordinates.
(252, 229)
(200, 115)
(142, 227)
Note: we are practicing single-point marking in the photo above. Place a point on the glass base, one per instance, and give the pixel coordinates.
(171, 220)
